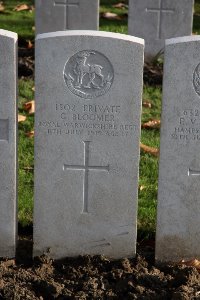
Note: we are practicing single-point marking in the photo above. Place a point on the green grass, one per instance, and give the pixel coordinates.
(119, 26)
(22, 23)
(25, 156)
(149, 164)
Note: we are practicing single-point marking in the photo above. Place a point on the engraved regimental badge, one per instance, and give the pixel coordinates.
(88, 74)
(196, 79)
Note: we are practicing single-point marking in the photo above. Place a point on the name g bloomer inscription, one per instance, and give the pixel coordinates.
(88, 74)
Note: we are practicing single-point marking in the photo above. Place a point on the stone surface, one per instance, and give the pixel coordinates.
(157, 20)
(8, 76)
(178, 222)
(87, 133)
(55, 15)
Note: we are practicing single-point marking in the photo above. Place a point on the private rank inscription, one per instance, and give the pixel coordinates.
(88, 119)
(188, 126)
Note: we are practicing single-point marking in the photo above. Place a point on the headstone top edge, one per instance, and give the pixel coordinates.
(91, 33)
(9, 34)
(184, 39)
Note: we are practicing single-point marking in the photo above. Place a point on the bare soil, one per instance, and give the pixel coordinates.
(96, 277)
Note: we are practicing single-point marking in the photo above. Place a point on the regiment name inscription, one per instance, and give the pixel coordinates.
(87, 119)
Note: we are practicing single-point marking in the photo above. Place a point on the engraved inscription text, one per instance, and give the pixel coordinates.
(88, 120)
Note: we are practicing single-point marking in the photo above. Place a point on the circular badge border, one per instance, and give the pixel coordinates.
(80, 93)
(195, 73)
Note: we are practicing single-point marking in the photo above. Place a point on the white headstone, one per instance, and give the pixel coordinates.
(8, 189)
(157, 20)
(178, 222)
(88, 96)
(56, 15)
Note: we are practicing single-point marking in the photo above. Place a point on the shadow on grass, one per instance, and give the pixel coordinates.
(113, 23)
(196, 23)
(24, 250)
(145, 235)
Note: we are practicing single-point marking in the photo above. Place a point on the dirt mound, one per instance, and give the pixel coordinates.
(94, 277)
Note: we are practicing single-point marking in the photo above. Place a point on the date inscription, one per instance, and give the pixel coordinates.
(87, 119)
(188, 126)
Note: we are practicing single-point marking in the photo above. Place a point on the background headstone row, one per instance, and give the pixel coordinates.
(152, 20)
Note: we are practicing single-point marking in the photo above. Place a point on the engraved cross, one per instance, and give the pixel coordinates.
(160, 10)
(193, 172)
(86, 168)
(67, 4)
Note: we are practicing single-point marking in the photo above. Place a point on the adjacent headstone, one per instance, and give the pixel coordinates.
(8, 190)
(87, 132)
(178, 222)
(56, 15)
(157, 20)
